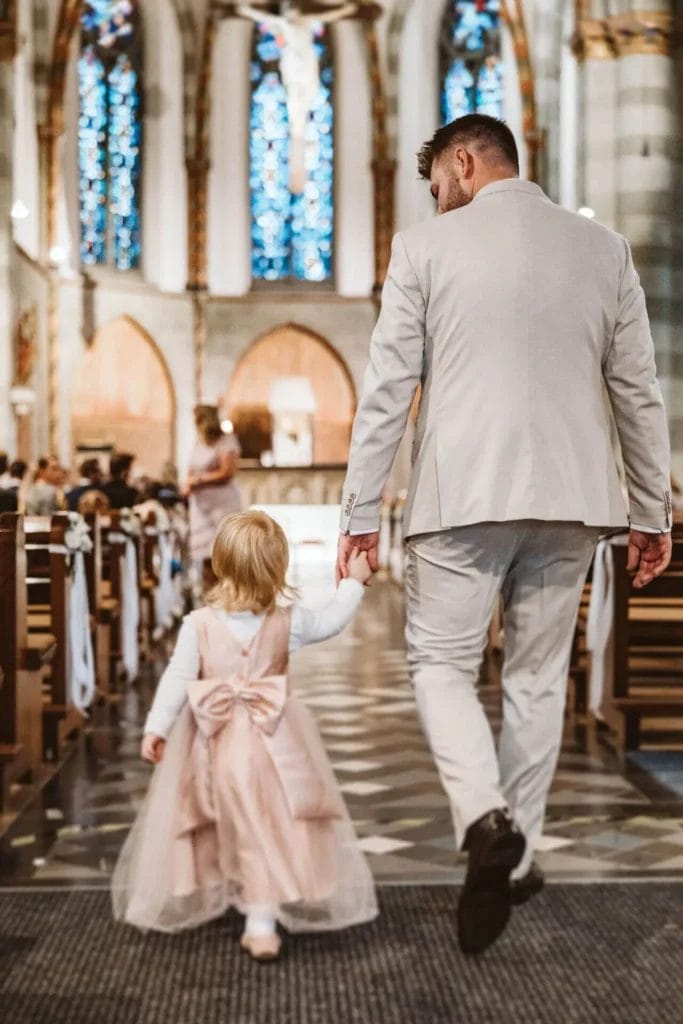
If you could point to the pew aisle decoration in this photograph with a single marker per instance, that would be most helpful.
(128, 533)
(80, 655)
(600, 622)
(397, 554)
(166, 597)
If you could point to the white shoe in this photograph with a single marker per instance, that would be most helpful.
(262, 947)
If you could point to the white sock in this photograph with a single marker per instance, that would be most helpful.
(260, 921)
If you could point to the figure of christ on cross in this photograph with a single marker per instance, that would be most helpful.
(299, 68)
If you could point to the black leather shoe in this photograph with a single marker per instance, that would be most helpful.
(496, 847)
(523, 889)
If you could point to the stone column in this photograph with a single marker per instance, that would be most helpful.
(598, 183)
(544, 19)
(645, 167)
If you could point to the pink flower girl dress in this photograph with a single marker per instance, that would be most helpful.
(243, 810)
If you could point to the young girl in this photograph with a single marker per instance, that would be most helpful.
(243, 808)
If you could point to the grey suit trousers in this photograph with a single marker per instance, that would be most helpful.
(453, 578)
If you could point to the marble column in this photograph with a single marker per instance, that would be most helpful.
(645, 133)
(544, 19)
(631, 136)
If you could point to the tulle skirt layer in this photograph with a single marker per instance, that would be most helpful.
(188, 857)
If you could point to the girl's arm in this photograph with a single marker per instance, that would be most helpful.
(227, 467)
(310, 627)
(183, 668)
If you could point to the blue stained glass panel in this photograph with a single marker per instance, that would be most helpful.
(292, 232)
(92, 134)
(472, 70)
(110, 133)
(489, 99)
(124, 163)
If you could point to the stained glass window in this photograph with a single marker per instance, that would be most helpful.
(471, 63)
(292, 207)
(110, 133)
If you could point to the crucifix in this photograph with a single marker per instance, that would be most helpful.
(293, 24)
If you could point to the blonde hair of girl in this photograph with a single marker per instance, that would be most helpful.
(250, 557)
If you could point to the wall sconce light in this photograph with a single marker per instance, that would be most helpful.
(19, 210)
(58, 254)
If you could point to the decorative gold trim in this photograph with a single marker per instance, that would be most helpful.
(198, 167)
(622, 35)
(513, 14)
(8, 30)
(643, 32)
(383, 164)
(200, 333)
(593, 40)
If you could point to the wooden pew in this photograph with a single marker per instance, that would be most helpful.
(106, 613)
(24, 662)
(148, 581)
(648, 650)
(111, 594)
(48, 586)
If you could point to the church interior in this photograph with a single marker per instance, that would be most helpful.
(199, 199)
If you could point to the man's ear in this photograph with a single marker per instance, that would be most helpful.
(466, 161)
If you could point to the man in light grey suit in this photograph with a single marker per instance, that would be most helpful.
(523, 323)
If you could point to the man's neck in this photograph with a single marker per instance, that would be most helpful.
(503, 175)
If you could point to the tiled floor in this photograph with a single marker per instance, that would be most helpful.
(600, 824)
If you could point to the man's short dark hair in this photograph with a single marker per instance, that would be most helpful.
(120, 464)
(491, 137)
(4, 459)
(18, 469)
(90, 468)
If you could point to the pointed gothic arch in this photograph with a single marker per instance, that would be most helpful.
(110, 405)
(292, 350)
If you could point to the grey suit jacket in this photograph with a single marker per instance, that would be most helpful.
(522, 322)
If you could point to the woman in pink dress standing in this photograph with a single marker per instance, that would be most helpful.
(210, 486)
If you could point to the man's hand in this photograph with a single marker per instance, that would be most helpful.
(648, 556)
(368, 542)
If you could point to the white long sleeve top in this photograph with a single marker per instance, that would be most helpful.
(308, 627)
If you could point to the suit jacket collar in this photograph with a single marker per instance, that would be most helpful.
(511, 185)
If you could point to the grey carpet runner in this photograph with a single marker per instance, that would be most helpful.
(585, 954)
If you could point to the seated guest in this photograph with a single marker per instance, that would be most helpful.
(17, 474)
(91, 479)
(117, 488)
(93, 501)
(8, 501)
(15, 482)
(44, 497)
(149, 500)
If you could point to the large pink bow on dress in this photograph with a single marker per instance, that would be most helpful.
(214, 701)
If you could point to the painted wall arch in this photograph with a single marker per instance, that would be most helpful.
(293, 351)
(123, 396)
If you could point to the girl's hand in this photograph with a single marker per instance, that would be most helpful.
(359, 567)
(152, 748)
